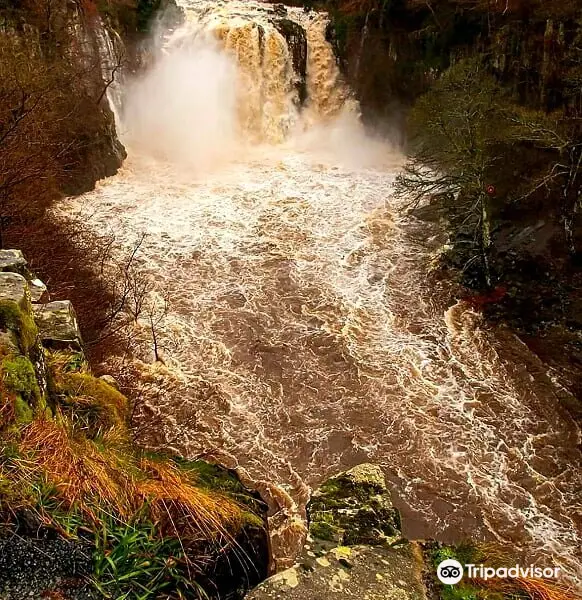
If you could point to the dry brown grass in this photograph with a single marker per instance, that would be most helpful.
(496, 556)
(83, 475)
(523, 587)
(93, 477)
(177, 505)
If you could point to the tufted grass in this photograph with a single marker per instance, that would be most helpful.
(154, 519)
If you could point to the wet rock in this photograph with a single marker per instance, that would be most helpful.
(13, 287)
(280, 10)
(354, 507)
(58, 327)
(355, 549)
(375, 573)
(13, 261)
(296, 39)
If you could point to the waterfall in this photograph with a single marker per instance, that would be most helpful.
(285, 74)
(111, 55)
(302, 335)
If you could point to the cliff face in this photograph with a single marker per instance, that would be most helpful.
(57, 132)
(393, 51)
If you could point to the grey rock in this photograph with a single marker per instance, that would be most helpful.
(13, 261)
(37, 289)
(58, 327)
(13, 287)
(375, 573)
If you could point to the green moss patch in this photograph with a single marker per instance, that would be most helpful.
(354, 508)
(20, 321)
(92, 400)
(19, 376)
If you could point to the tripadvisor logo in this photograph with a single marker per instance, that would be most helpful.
(451, 571)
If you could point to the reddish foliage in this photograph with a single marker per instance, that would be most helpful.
(480, 300)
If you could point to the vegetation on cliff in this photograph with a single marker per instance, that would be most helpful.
(490, 93)
(154, 524)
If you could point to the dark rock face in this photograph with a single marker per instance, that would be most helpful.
(297, 43)
(101, 157)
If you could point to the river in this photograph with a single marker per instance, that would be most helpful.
(295, 326)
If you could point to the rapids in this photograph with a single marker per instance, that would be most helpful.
(297, 333)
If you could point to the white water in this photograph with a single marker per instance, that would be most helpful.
(301, 337)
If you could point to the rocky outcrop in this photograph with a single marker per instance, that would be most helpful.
(359, 572)
(57, 325)
(354, 549)
(354, 508)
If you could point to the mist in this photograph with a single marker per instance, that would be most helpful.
(184, 108)
(201, 105)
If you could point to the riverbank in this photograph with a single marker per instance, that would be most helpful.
(121, 521)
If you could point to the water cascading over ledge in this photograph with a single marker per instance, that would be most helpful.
(273, 72)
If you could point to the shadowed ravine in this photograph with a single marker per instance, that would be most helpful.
(301, 337)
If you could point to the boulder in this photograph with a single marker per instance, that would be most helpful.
(354, 548)
(13, 261)
(13, 288)
(58, 327)
(354, 507)
(358, 572)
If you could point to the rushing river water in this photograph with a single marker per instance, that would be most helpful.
(297, 331)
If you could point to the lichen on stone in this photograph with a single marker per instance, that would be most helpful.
(354, 507)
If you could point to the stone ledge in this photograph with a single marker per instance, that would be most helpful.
(58, 327)
(13, 287)
(13, 261)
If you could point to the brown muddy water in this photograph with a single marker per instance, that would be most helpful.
(297, 330)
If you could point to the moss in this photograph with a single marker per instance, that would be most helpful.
(92, 401)
(459, 592)
(20, 321)
(323, 531)
(19, 376)
(354, 508)
(22, 410)
(464, 553)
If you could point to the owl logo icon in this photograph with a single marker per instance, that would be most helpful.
(450, 571)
